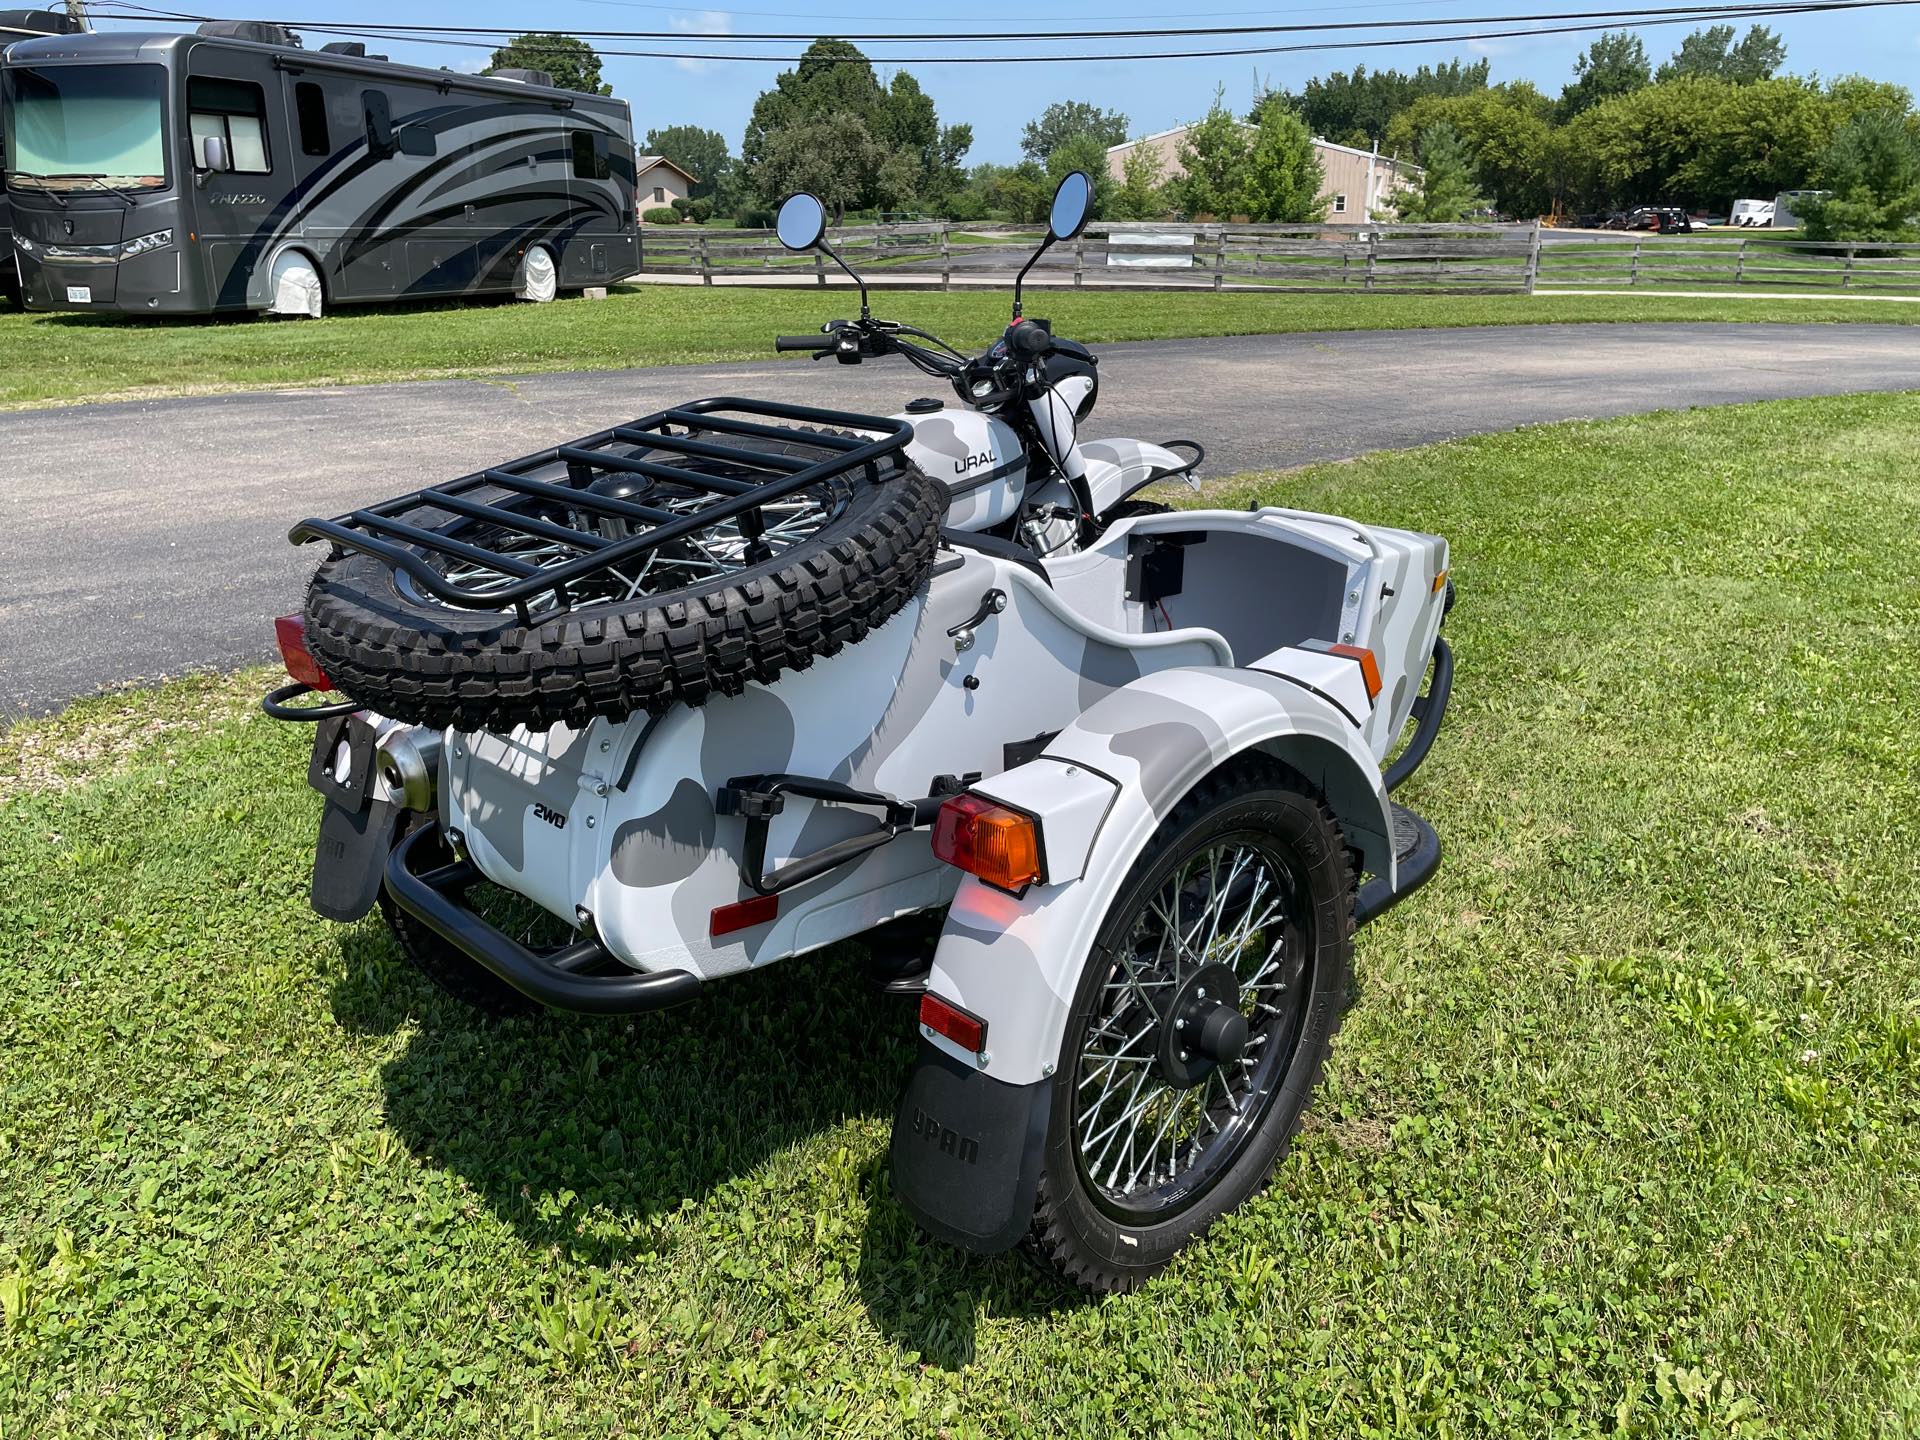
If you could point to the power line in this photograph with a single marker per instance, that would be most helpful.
(375, 31)
(1645, 15)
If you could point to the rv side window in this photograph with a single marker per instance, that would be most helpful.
(311, 104)
(235, 112)
(590, 155)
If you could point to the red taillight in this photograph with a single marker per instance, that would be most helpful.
(291, 632)
(966, 1030)
(999, 845)
(742, 915)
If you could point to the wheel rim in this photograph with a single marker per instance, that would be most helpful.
(722, 549)
(1154, 1125)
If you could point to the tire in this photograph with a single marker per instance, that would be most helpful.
(456, 973)
(1108, 1237)
(536, 278)
(404, 655)
(294, 287)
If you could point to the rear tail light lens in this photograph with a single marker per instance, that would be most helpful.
(291, 632)
(742, 915)
(963, 1027)
(999, 845)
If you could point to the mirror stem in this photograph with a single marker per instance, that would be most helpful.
(825, 249)
(1021, 278)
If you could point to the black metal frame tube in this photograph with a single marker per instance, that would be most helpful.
(553, 980)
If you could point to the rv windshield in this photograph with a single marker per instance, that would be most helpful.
(69, 127)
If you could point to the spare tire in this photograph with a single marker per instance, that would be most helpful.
(851, 551)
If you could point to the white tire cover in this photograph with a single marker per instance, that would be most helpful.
(536, 279)
(293, 286)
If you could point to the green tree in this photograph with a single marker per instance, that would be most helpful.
(1872, 169)
(835, 156)
(1027, 192)
(1712, 54)
(1614, 64)
(572, 62)
(1356, 109)
(834, 79)
(1509, 132)
(1758, 139)
(701, 153)
(1140, 196)
(1214, 153)
(1065, 120)
(1088, 153)
(896, 183)
(1852, 95)
(1283, 176)
(1447, 191)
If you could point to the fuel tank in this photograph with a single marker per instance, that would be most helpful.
(978, 458)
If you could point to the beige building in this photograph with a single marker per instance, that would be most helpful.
(1359, 182)
(658, 181)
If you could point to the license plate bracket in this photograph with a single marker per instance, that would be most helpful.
(356, 827)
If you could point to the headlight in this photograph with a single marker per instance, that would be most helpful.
(158, 240)
(24, 243)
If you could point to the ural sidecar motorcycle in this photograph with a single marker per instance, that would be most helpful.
(739, 680)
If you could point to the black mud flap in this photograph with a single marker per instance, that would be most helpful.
(967, 1151)
(350, 858)
(356, 829)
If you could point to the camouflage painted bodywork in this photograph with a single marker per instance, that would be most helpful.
(618, 820)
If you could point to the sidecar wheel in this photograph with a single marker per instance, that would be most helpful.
(1199, 1029)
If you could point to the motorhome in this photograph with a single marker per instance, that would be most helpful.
(234, 170)
(21, 25)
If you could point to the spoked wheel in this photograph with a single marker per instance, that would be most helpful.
(717, 552)
(734, 601)
(1199, 1028)
(458, 974)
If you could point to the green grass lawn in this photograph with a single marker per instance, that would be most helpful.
(1621, 1134)
(64, 357)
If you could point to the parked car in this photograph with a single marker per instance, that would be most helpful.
(1662, 219)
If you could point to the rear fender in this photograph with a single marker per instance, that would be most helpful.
(1015, 960)
(1099, 792)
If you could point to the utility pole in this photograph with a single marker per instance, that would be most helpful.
(77, 12)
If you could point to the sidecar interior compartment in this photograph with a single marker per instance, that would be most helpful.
(1200, 569)
(559, 495)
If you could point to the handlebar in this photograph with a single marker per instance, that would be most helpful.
(804, 342)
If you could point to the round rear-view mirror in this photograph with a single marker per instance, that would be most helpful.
(802, 221)
(1072, 204)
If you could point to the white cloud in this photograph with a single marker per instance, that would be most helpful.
(710, 21)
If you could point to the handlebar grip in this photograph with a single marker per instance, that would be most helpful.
(804, 342)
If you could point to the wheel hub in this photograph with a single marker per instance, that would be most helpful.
(1202, 1027)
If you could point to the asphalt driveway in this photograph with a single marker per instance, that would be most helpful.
(142, 540)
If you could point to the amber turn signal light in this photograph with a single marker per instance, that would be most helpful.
(1369, 667)
(999, 845)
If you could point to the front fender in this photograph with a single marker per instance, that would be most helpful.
(1015, 960)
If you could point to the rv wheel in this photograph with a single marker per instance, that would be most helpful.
(293, 286)
(537, 278)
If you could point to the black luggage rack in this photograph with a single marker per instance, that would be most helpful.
(385, 532)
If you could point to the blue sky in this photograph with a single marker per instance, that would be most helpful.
(1884, 44)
